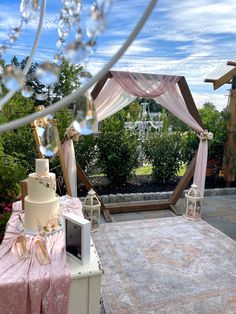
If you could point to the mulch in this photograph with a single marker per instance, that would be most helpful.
(141, 184)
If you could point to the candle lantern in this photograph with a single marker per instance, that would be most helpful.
(193, 200)
(91, 209)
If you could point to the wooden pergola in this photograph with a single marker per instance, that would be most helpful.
(227, 75)
(107, 209)
(154, 204)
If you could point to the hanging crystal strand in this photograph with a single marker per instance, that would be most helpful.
(27, 91)
(48, 140)
(97, 21)
(13, 78)
(84, 116)
(47, 73)
(3, 49)
(29, 9)
(41, 97)
(15, 34)
(77, 53)
(58, 58)
(63, 28)
(70, 15)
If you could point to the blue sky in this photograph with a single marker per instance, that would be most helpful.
(190, 38)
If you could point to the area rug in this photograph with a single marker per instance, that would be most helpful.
(168, 265)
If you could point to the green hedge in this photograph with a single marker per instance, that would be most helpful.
(117, 150)
(163, 151)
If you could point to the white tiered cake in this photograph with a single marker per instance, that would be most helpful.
(41, 203)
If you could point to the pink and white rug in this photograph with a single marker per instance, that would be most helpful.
(168, 265)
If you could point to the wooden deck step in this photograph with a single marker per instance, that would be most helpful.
(137, 206)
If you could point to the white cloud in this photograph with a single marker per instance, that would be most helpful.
(110, 49)
(219, 100)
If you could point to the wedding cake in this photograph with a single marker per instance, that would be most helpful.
(41, 203)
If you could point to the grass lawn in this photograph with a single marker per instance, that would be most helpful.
(147, 170)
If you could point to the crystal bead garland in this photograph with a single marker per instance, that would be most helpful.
(13, 78)
(48, 141)
(27, 91)
(80, 49)
(96, 22)
(29, 9)
(47, 73)
(41, 97)
(84, 116)
(15, 34)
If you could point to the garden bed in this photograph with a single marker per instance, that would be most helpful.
(142, 184)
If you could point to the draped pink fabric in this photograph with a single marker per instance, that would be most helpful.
(26, 287)
(179, 109)
(111, 99)
(144, 85)
(124, 87)
(70, 163)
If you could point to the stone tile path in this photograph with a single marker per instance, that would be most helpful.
(219, 211)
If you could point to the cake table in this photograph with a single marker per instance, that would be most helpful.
(26, 287)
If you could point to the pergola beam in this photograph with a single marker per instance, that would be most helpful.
(188, 98)
(209, 80)
(99, 86)
(224, 79)
(232, 63)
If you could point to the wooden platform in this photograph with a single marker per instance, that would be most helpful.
(137, 206)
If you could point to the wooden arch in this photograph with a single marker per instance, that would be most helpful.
(157, 204)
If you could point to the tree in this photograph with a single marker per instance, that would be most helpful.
(215, 122)
(86, 151)
(68, 80)
(19, 143)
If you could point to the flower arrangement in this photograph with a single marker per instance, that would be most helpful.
(47, 181)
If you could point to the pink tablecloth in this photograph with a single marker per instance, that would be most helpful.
(26, 286)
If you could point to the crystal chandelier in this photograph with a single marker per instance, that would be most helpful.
(76, 51)
(144, 123)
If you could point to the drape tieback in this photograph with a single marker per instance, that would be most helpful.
(72, 134)
(205, 135)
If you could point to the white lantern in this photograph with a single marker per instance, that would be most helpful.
(91, 209)
(193, 200)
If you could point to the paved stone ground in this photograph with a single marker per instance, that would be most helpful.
(219, 211)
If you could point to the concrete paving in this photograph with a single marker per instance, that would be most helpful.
(219, 211)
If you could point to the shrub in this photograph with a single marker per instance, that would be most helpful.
(5, 214)
(85, 151)
(117, 150)
(11, 173)
(163, 150)
(189, 146)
